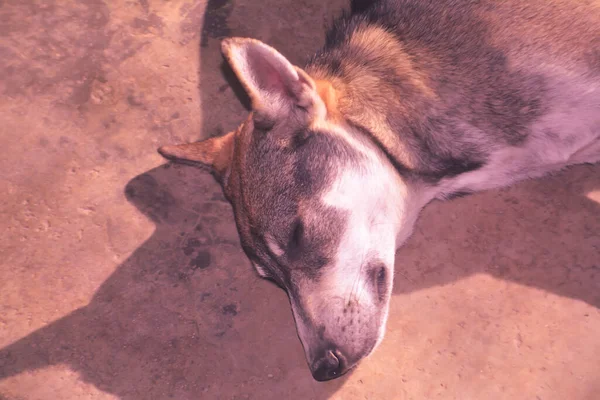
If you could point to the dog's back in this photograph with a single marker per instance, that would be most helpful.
(444, 85)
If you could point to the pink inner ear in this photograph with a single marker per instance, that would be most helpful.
(270, 73)
(269, 78)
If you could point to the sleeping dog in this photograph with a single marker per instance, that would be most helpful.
(408, 101)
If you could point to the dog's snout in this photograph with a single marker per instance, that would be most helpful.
(330, 366)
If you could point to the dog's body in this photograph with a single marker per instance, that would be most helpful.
(408, 101)
(491, 91)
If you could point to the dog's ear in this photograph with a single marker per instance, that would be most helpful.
(215, 153)
(273, 84)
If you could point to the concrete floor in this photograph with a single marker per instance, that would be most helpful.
(122, 277)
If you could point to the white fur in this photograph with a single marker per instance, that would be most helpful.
(371, 193)
(260, 269)
(274, 247)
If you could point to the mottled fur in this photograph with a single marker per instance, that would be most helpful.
(409, 100)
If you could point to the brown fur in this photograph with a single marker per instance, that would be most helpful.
(362, 96)
(215, 152)
(329, 96)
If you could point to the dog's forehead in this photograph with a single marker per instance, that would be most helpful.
(286, 172)
(291, 165)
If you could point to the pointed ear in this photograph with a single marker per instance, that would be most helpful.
(273, 84)
(215, 153)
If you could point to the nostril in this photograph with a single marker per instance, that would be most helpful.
(328, 367)
(334, 362)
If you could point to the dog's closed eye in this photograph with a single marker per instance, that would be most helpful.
(379, 279)
(297, 234)
(297, 239)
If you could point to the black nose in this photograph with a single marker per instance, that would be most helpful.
(330, 366)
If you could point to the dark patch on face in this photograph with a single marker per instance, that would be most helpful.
(312, 246)
(215, 20)
(230, 309)
(201, 261)
(282, 174)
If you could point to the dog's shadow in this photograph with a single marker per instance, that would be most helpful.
(184, 317)
(541, 233)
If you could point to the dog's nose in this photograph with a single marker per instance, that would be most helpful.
(330, 366)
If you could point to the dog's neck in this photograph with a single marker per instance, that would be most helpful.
(412, 194)
(359, 93)
(379, 96)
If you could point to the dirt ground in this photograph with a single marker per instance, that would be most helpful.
(122, 277)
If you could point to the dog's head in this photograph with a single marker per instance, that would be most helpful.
(317, 205)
